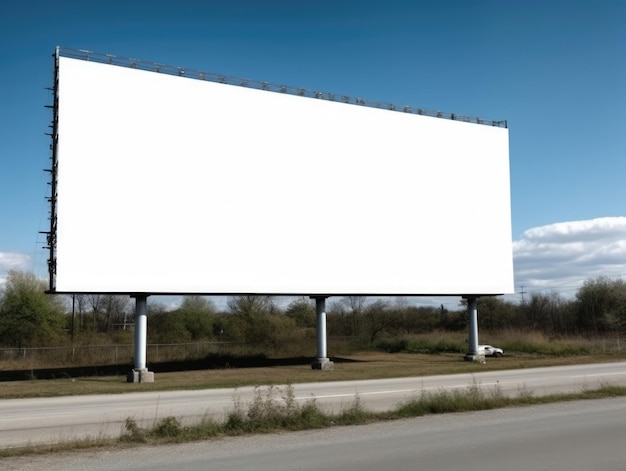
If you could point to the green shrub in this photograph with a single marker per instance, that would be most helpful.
(443, 401)
(274, 409)
(391, 345)
(354, 415)
(168, 427)
(132, 432)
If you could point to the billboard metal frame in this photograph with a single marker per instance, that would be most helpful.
(52, 199)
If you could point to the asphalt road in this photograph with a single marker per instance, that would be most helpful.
(44, 420)
(573, 436)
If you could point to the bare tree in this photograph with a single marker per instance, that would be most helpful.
(108, 310)
(355, 305)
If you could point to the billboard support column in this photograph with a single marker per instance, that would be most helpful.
(472, 311)
(322, 362)
(140, 373)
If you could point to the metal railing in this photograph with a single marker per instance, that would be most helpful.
(261, 85)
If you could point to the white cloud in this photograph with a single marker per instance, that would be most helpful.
(9, 261)
(560, 257)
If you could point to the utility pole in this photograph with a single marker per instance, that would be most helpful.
(522, 292)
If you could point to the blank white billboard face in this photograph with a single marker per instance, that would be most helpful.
(175, 185)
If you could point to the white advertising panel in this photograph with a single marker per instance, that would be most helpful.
(168, 184)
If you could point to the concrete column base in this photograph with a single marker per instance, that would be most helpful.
(140, 376)
(477, 357)
(322, 364)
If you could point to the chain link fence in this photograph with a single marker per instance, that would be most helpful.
(118, 354)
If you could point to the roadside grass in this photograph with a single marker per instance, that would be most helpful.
(275, 410)
(515, 341)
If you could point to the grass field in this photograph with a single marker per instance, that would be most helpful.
(357, 366)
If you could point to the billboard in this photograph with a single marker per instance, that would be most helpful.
(173, 185)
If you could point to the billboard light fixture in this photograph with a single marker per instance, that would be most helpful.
(261, 85)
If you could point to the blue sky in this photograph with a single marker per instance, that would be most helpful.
(554, 69)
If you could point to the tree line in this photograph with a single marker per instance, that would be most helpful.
(31, 318)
